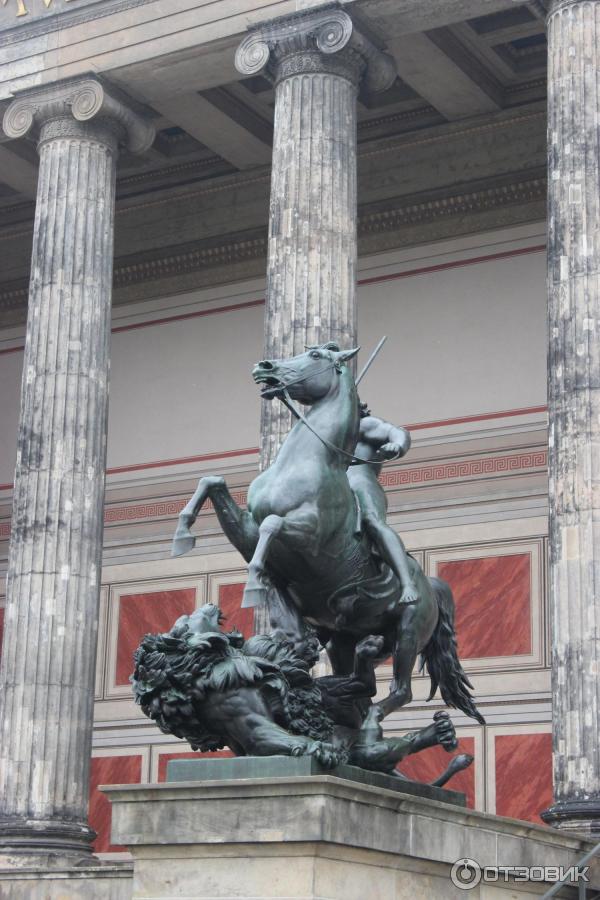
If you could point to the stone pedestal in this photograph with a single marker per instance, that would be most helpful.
(318, 837)
(51, 619)
(574, 409)
(317, 60)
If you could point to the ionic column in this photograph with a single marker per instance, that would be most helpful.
(51, 619)
(317, 60)
(574, 409)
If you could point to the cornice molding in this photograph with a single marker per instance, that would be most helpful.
(189, 258)
(394, 144)
(68, 18)
(417, 211)
(403, 212)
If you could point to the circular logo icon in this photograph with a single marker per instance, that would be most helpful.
(465, 874)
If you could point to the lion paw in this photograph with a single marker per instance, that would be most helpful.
(326, 754)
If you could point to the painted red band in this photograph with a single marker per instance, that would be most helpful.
(249, 451)
(455, 264)
(157, 464)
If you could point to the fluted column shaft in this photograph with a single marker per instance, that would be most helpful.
(51, 620)
(317, 61)
(574, 409)
(311, 266)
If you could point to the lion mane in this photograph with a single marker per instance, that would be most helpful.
(174, 672)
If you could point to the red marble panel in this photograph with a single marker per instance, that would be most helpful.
(140, 614)
(109, 770)
(429, 765)
(230, 599)
(164, 758)
(523, 775)
(493, 600)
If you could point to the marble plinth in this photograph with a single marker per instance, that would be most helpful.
(317, 837)
(298, 767)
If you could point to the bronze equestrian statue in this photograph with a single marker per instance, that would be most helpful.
(314, 536)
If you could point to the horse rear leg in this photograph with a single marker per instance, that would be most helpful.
(404, 659)
(238, 525)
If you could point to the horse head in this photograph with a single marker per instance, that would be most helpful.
(308, 377)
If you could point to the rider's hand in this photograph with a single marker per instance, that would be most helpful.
(390, 451)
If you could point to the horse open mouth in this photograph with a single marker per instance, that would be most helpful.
(269, 384)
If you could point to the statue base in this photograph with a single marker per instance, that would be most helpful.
(317, 835)
(299, 767)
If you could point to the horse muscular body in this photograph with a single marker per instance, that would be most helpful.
(309, 560)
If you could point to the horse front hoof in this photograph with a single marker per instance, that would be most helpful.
(254, 596)
(183, 542)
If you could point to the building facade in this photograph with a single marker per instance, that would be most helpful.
(450, 153)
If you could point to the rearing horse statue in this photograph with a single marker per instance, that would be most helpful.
(309, 559)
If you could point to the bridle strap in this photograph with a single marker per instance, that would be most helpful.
(355, 460)
(331, 365)
(287, 401)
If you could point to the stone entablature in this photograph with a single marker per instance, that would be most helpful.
(13, 10)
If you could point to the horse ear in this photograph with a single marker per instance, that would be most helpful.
(345, 355)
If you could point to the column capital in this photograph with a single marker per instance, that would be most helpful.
(83, 99)
(558, 5)
(309, 41)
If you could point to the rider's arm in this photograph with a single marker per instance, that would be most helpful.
(400, 436)
(380, 433)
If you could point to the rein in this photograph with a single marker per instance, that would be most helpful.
(289, 403)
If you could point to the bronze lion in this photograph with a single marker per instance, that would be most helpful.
(258, 697)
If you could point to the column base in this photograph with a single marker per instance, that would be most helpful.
(28, 841)
(576, 816)
(92, 881)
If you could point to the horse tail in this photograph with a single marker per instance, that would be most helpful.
(441, 657)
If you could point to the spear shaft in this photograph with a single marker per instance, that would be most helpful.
(367, 365)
